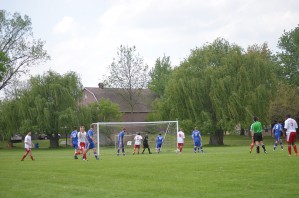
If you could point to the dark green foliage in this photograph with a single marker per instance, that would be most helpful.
(220, 86)
(289, 56)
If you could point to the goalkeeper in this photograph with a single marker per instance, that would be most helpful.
(145, 145)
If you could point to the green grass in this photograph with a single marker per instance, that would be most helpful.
(226, 171)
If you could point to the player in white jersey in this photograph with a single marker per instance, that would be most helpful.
(28, 146)
(82, 139)
(137, 144)
(180, 139)
(290, 126)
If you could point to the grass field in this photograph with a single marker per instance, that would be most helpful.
(226, 171)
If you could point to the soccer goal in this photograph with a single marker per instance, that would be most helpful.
(168, 129)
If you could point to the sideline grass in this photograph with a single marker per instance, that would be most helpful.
(228, 171)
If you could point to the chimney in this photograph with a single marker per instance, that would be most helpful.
(101, 85)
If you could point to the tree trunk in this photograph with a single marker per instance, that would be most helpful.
(54, 143)
(242, 131)
(216, 138)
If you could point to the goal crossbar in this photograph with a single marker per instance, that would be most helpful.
(128, 123)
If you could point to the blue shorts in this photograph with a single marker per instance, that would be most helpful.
(91, 145)
(277, 136)
(197, 143)
(75, 145)
(159, 145)
(120, 146)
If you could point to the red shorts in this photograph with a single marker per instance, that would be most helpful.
(82, 145)
(136, 146)
(291, 137)
(180, 144)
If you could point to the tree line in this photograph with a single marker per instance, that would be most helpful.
(217, 87)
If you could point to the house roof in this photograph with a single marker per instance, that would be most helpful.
(143, 103)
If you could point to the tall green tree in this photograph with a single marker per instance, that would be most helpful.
(129, 75)
(50, 104)
(159, 75)
(19, 47)
(220, 86)
(289, 56)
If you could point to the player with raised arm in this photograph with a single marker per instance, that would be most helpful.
(28, 146)
(276, 133)
(197, 140)
(74, 142)
(91, 142)
(137, 143)
(290, 126)
(180, 139)
(120, 142)
(159, 142)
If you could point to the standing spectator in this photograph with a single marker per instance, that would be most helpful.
(82, 141)
(137, 143)
(145, 144)
(290, 126)
(180, 139)
(159, 142)
(28, 146)
(276, 133)
(257, 134)
(91, 142)
(120, 142)
(74, 142)
(197, 140)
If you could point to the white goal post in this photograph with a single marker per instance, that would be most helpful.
(125, 124)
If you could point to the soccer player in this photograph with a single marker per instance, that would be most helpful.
(120, 142)
(180, 139)
(159, 142)
(276, 133)
(91, 142)
(74, 141)
(290, 126)
(145, 145)
(28, 146)
(137, 143)
(82, 141)
(197, 140)
(257, 134)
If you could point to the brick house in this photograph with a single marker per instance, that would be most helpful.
(140, 111)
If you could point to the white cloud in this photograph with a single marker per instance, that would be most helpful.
(66, 26)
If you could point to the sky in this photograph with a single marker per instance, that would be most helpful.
(84, 35)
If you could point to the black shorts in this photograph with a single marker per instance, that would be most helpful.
(258, 137)
(145, 145)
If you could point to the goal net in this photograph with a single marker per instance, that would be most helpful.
(168, 129)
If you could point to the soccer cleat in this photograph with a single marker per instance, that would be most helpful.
(265, 152)
(296, 154)
(75, 157)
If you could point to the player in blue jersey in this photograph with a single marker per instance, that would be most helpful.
(74, 141)
(277, 130)
(159, 142)
(197, 140)
(120, 142)
(91, 142)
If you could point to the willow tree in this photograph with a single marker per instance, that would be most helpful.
(219, 86)
(50, 103)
